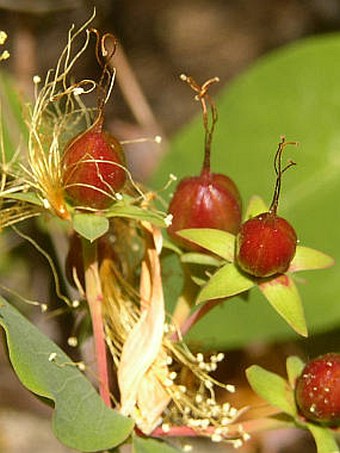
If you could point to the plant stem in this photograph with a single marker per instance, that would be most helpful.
(191, 320)
(250, 427)
(185, 300)
(94, 298)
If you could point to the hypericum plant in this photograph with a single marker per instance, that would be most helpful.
(209, 200)
(93, 163)
(229, 280)
(73, 171)
(300, 397)
(266, 243)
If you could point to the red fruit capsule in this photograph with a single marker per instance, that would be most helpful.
(207, 201)
(93, 168)
(210, 200)
(317, 390)
(265, 245)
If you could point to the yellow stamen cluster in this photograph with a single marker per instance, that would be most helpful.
(33, 184)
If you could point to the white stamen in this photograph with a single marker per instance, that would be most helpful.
(52, 356)
(78, 90)
(72, 341)
(3, 37)
(168, 220)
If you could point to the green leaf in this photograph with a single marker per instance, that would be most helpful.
(292, 91)
(144, 445)
(90, 226)
(255, 207)
(294, 366)
(307, 259)
(284, 297)
(136, 213)
(216, 241)
(324, 439)
(272, 388)
(226, 282)
(81, 420)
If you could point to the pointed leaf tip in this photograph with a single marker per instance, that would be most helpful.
(294, 366)
(309, 259)
(255, 207)
(90, 226)
(219, 242)
(226, 282)
(272, 388)
(284, 297)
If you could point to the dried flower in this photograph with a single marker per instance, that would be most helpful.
(150, 364)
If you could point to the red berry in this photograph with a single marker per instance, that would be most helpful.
(207, 201)
(93, 166)
(265, 245)
(210, 200)
(317, 390)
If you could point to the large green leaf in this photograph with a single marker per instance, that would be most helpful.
(294, 91)
(81, 419)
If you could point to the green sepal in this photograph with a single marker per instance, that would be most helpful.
(324, 438)
(219, 242)
(226, 282)
(307, 258)
(255, 207)
(272, 388)
(294, 367)
(284, 297)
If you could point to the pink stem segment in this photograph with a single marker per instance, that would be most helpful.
(94, 298)
(191, 320)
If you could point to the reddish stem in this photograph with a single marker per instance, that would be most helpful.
(234, 430)
(95, 298)
(189, 322)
